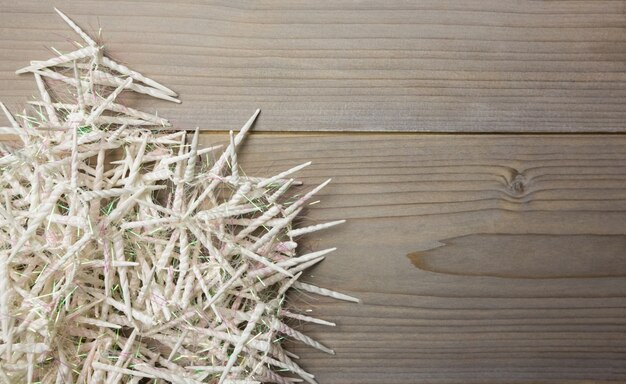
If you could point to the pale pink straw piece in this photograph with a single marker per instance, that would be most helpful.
(96, 322)
(114, 107)
(126, 205)
(298, 203)
(45, 72)
(178, 344)
(117, 133)
(72, 250)
(243, 339)
(118, 251)
(136, 76)
(190, 313)
(109, 120)
(38, 218)
(325, 292)
(46, 100)
(224, 287)
(165, 375)
(271, 280)
(245, 252)
(187, 156)
(65, 65)
(105, 104)
(26, 348)
(280, 191)
(293, 261)
(190, 169)
(5, 299)
(234, 167)
(305, 318)
(80, 98)
(75, 55)
(110, 80)
(279, 226)
(292, 367)
(256, 223)
(136, 314)
(149, 223)
(164, 258)
(219, 164)
(16, 126)
(282, 175)
(103, 194)
(121, 371)
(313, 228)
(76, 28)
(211, 368)
(241, 196)
(74, 162)
(283, 328)
(183, 261)
(123, 358)
(82, 376)
(97, 183)
(7, 131)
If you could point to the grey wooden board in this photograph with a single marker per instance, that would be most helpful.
(428, 65)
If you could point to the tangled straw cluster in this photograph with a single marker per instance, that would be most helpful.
(132, 255)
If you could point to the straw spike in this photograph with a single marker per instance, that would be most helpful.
(76, 28)
(66, 58)
(314, 228)
(136, 76)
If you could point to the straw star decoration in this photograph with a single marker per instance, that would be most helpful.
(128, 253)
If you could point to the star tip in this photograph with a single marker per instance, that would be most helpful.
(59, 12)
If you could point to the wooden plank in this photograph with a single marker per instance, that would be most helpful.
(426, 65)
(478, 258)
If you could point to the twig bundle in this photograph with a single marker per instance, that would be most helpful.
(133, 255)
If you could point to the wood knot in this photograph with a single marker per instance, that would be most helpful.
(517, 184)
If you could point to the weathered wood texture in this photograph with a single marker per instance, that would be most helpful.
(494, 258)
(427, 65)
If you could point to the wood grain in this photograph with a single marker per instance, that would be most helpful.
(523, 237)
(427, 65)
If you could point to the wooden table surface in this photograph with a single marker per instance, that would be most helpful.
(479, 258)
